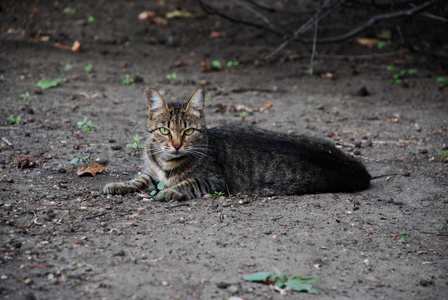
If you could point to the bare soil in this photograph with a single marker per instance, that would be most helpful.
(61, 238)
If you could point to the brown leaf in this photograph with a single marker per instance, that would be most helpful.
(92, 169)
(76, 46)
(268, 105)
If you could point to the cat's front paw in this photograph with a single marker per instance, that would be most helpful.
(118, 188)
(171, 194)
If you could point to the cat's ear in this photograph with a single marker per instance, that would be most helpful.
(195, 105)
(154, 102)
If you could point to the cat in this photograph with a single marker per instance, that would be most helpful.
(192, 161)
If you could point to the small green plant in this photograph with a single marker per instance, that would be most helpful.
(84, 159)
(67, 67)
(43, 84)
(208, 97)
(444, 228)
(320, 106)
(397, 78)
(296, 283)
(2, 77)
(403, 235)
(89, 68)
(15, 119)
(171, 76)
(232, 63)
(160, 187)
(25, 96)
(91, 19)
(442, 81)
(243, 116)
(86, 125)
(444, 154)
(216, 64)
(135, 143)
(69, 11)
(216, 195)
(335, 111)
(128, 79)
(383, 44)
(310, 99)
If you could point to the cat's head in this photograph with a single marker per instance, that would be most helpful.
(176, 128)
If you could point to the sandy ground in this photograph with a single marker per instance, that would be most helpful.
(61, 238)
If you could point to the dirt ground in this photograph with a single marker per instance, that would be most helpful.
(61, 238)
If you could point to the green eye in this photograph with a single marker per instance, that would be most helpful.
(189, 131)
(164, 131)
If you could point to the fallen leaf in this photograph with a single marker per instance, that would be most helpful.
(367, 42)
(204, 65)
(268, 105)
(159, 21)
(181, 14)
(146, 15)
(92, 169)
(35, 10)
(76, 46)
(215, 34)
(25, 162)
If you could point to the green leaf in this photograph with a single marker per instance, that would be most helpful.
(299, 286)
(303, 279)
(43, 84)
(153, 193)
(74, 161)
(391, 68)
(89, 68)
(91, 19)
(260, 276)
(216, 64)
(280, 277)
(160, 186)
(412, 71)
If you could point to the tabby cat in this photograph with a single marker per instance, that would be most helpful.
(192, 160)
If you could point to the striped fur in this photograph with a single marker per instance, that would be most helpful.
(192, 161)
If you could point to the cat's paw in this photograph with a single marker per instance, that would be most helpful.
(118, 188)
(172, 194)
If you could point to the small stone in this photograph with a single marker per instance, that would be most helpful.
(358, 144)
(28, 281)
(62, 170)
(407, 174)
(357, 152)
(164, 283)
(4, 277)
(223, 285)
(116, 147)
(233, 289)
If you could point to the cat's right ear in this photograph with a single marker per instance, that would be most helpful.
(154, 102)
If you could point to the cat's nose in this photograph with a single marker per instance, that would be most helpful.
(176, 146)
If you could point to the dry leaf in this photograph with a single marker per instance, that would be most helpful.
(204, 65)
(92, 169)
(268, 105)
(367, 42)
(215, 34)
(146, 15)
(76, 46)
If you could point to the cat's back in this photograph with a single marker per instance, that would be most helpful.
(252, 159)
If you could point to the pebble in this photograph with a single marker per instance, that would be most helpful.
(116, 147)
(233, 289)
(62, 170)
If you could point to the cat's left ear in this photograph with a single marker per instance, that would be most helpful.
(196, 103)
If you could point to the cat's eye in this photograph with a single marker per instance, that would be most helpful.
(189, 131)
(164, 131)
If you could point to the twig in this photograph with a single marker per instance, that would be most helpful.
(177, 205)
(94, 216)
